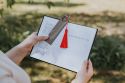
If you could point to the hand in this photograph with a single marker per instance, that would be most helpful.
(31, 40)
(85, 74)
(17, 53)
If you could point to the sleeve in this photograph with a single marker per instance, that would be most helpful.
(5, 77)
(10, 72)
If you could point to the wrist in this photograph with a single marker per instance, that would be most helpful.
(22, 49)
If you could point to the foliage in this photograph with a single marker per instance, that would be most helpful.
(108, 53)
(10, 3)
(1, 12)
(14, 29)
(48, 2)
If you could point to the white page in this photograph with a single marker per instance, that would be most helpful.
(80, 40)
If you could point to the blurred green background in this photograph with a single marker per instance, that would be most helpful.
(19, 18)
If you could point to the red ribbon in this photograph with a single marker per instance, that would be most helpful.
(64, 43)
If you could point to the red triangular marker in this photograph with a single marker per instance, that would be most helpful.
(64, 43)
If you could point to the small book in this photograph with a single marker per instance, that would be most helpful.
(68, 46)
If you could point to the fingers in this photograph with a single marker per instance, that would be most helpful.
(42, 38)
(83, 69)
(39, 38)
(84, 65)
(86, 72)
(87, 67)
(90, 68)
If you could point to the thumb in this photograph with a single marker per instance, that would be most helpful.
(84, 65)
(42, 38)
(90, 68)
(83, 69)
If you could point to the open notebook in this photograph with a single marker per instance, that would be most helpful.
(80, 40)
